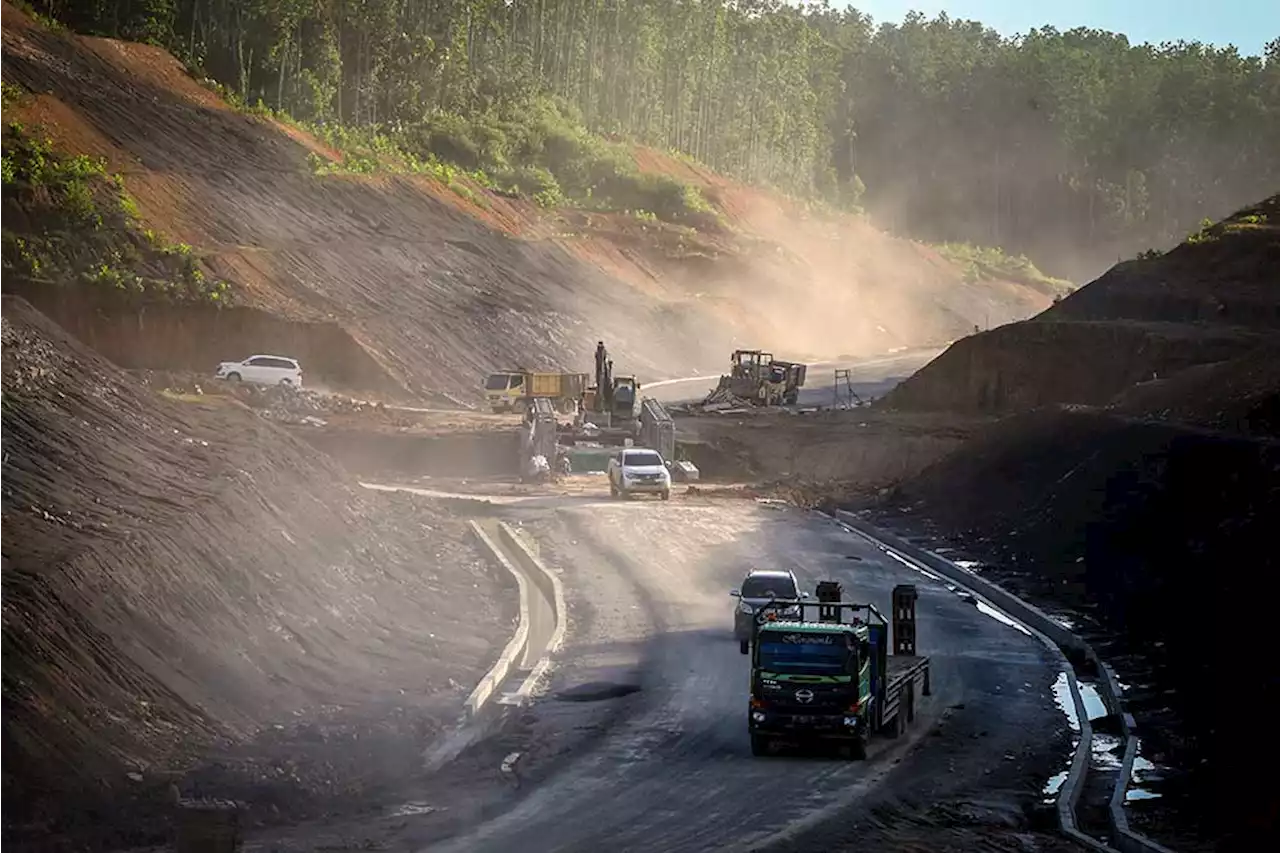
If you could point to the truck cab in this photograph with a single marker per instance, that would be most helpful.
(503, 390)
(809, 679)
(821, 671)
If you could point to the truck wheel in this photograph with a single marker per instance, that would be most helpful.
(744, 646)
(519, 407)
(858, 748)
(759, 745)
(666, 495)
(233, 377)
(613, 490)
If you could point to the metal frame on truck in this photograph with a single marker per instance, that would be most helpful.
(840, 684)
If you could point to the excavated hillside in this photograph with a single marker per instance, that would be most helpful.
(1149, 515)
(439, 285)
(1210, 299)
(196, 603)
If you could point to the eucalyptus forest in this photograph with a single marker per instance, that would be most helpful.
(1076, 148)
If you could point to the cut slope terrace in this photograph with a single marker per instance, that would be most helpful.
(431, 287)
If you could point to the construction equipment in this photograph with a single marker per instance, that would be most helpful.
(821, 670)
(657, 429)
(538, 448)
(843, 395)
(611, 402)
(756, 378)
(515, 390)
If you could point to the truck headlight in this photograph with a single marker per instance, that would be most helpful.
(745, 608)
(851, 722)
(758, 716)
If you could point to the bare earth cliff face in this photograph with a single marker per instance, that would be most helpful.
(439, 288)
(1134, 481)
(180, 578)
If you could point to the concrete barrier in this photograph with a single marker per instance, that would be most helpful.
(1059, 637)
(515, 647)
(552, 589)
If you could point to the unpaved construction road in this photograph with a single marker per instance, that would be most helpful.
(869, 377)
(640, 742)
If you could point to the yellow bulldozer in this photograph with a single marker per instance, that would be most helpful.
(756, 378)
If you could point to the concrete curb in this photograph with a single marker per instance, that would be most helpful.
(519, 641)
(553, 590)
(1059, 638)
(1072, 787)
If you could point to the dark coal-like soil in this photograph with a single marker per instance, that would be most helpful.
(1156, 541)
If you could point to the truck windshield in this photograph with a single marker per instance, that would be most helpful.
(643, 459)
(824, 653)
(496, 382)
(768, 586)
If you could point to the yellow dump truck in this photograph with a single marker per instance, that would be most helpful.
(515, 390)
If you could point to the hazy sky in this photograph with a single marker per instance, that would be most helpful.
(1248, 24)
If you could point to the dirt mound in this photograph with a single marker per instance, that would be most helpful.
(1153, 534)
(1241, 395)
(1223, 275)
(1042, 362)
(865, 450)
(1211, 299)
(422, 275)
(193, 598)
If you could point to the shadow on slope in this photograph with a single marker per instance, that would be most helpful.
(1210, 299)
(1157, 536)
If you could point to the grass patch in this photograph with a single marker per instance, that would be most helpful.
(1204, 234)
(982, 263)
(69, 223)
(1251, 222)
(542, 150)
(538, 150)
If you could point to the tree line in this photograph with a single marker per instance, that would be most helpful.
(1074, 147)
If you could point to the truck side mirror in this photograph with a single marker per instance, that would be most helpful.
(735, 593)
(804, 595)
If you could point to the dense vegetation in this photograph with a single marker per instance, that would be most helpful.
(1046, 144)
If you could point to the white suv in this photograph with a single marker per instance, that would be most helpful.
(263, 370)
(637, 471)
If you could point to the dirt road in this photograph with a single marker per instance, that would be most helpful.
(870, 377)
(640, 742)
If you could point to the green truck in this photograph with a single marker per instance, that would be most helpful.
(821, 671)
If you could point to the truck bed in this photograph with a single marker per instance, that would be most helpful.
(906, 683)
(903, 666)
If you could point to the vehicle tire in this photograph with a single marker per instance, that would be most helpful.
(858, 748)
(744, 646)
(519, 407)
(567, 406)
(666, 495)
(760, 745)
(233, 377)
(613, 491)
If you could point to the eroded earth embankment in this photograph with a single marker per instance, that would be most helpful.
(195, 602)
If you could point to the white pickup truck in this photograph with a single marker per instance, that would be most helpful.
(638, 471)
